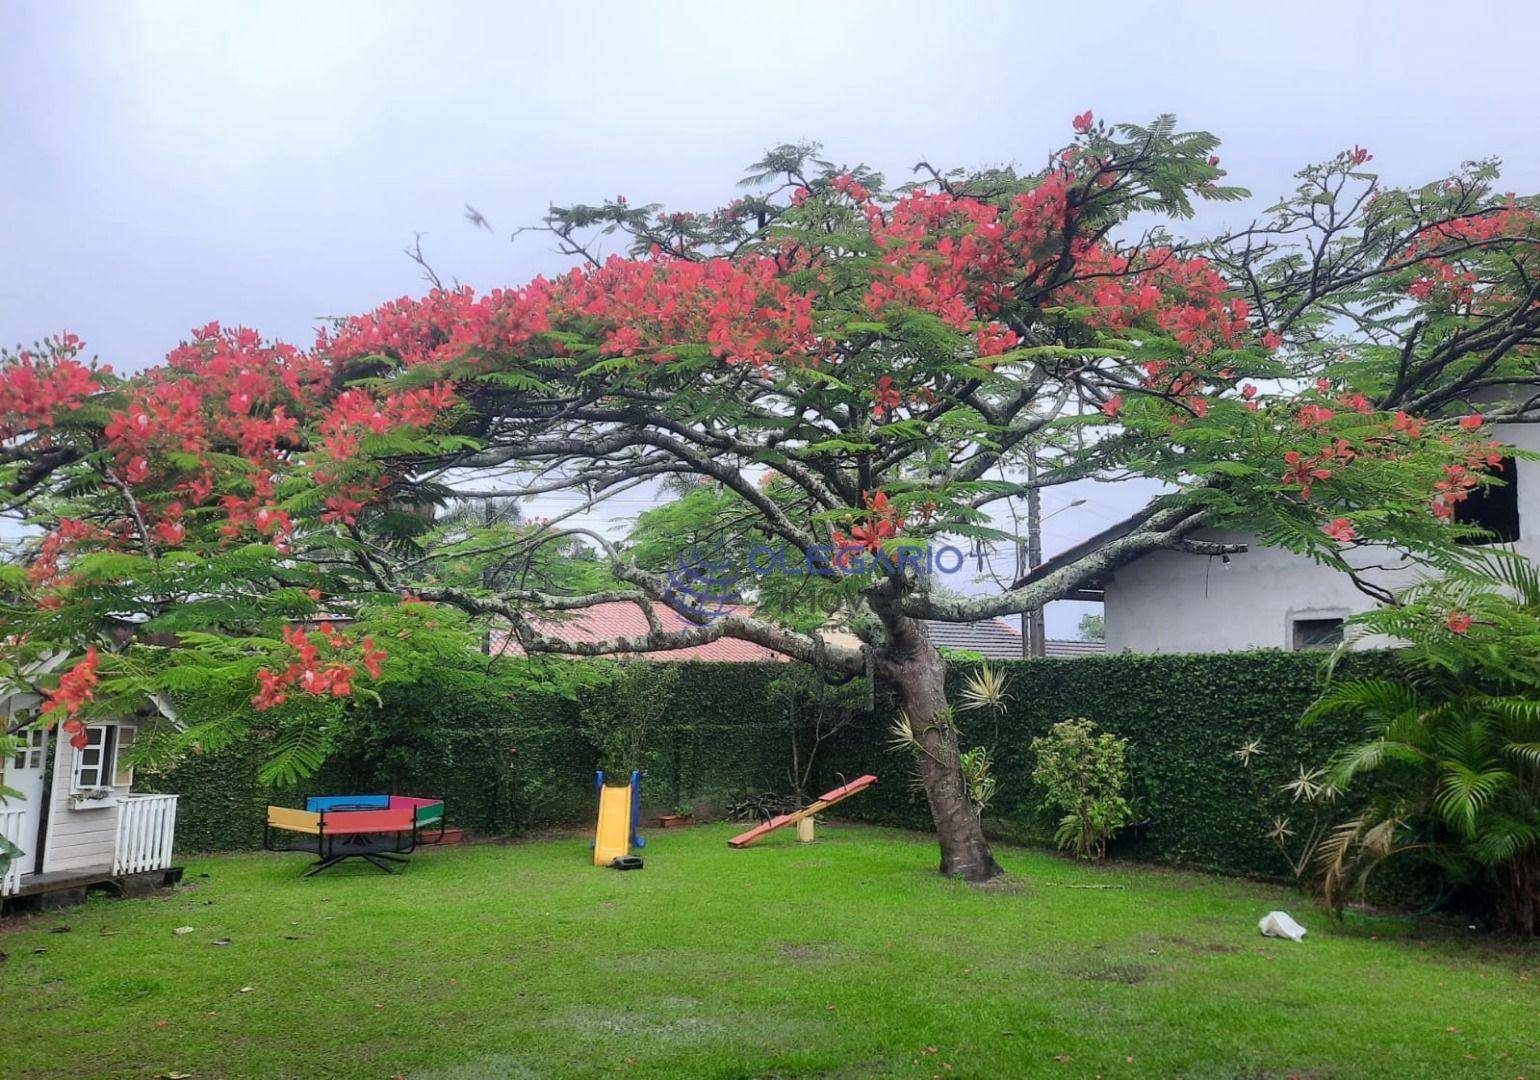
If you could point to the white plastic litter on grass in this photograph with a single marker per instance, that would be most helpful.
(1279, 924)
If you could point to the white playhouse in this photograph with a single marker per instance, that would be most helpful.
(78, 821)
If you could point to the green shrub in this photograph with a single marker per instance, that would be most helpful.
(1455, 743)
(1084, 775)
(617, 715)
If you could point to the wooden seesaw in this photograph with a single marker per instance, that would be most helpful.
(823, 802)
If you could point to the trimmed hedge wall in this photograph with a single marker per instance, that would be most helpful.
(1184, 717)
(728, 734)
(504, 762)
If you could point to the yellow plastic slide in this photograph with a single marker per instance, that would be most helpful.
(613, 838)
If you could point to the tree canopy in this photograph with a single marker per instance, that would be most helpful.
(855, 367)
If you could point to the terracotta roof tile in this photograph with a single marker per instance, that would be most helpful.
(995, 639)
(618, 619)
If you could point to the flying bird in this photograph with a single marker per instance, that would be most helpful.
(475, 217)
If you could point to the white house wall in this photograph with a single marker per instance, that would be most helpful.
(1170, 602)
(77, 839)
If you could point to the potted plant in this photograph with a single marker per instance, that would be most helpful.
(683, 815)
(90, 798)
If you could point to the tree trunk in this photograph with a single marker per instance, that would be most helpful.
(914, 665)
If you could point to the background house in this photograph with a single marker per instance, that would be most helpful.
(1268, 598)
(993, 639)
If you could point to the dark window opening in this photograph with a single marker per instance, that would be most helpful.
(1493, 508)
(1317, 633)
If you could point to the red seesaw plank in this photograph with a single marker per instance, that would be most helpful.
(823, 802)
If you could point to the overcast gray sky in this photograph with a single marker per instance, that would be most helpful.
(170, 164)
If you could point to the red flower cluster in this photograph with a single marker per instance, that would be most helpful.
(254, 513)
(1186, 298)
(1505, 221)
(1313, 415)
(33, 389)
(883, 521)
(1307, 469)
(1447, 280)
(76, 687)
(740, 309)
(47, 569)
(884, 398)
(344, 504)
(960, 258)
(225, 391)
(170, 530)
(1341, 530)
(356, 413)
(1454, 488)
(228, 392)
(318, 667)
(1304, 469)
(445, 325)
(1462, 478)
(1442, 281)
(846, 184)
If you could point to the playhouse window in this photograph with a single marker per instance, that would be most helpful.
(96, 763)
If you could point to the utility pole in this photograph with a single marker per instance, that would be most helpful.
(1033, 639)
(1029, 556)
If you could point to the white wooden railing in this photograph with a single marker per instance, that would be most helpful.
(146, 826)
(10, 828)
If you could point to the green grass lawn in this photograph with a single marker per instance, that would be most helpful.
(849, 958)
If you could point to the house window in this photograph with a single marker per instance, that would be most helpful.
(1317, 633)
(1493, 508)
(96, 763)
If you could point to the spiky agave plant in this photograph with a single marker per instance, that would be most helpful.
(984, 688)
(1455, 743)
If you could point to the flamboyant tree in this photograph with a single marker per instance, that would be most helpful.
(855, 370)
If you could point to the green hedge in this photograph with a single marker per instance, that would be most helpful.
(1184, 717)
(729, 732)
(504, 756)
